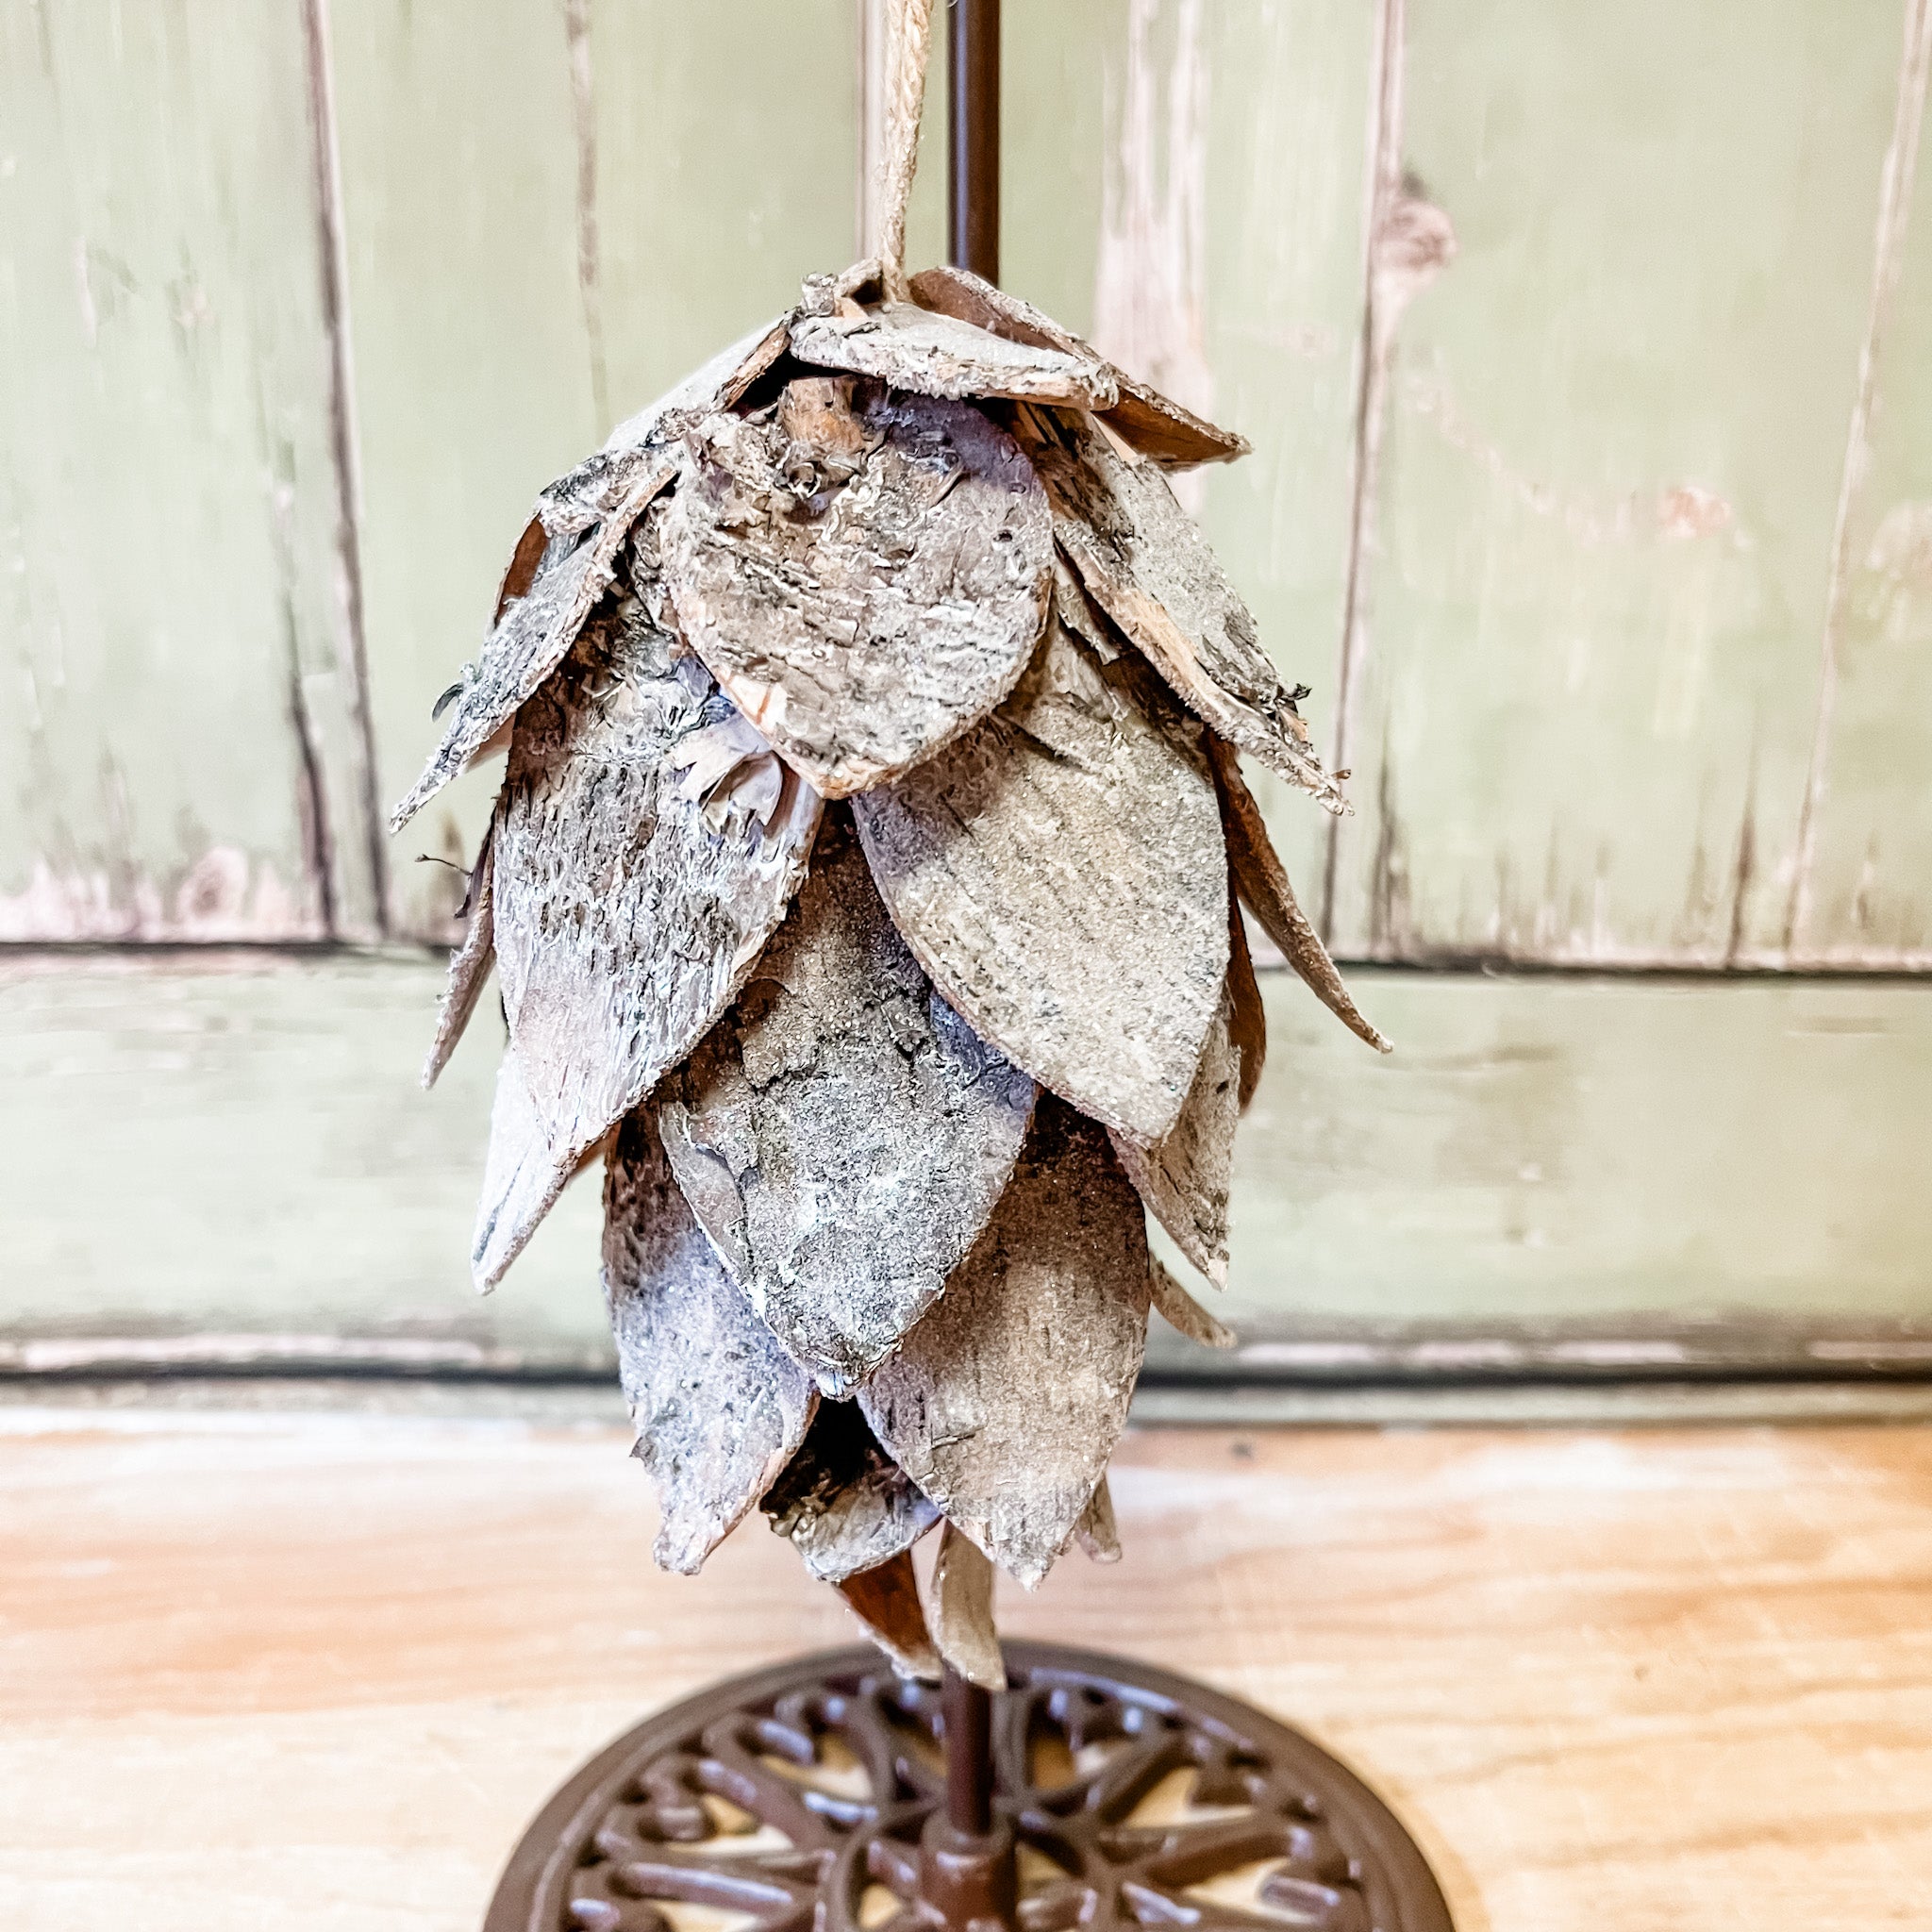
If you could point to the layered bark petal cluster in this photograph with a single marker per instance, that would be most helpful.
(864, 887)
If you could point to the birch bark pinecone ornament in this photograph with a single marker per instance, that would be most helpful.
(862, 887)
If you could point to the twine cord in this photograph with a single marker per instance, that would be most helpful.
(907, 40)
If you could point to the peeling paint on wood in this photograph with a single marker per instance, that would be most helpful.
(166, 316)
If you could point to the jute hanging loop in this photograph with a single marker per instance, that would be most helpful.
(908, 39)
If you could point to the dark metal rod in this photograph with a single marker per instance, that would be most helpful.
(973, 228)
(968, 1713)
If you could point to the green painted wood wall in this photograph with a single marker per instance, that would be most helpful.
(1587, 352)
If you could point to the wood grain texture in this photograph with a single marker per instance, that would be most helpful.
(842, 1134)
(941, 356)
(183, 744)
(1058, 871)
(865, 573)
(1147, 565)
(1604, 1163)
(842, 1503)
(718, 1406)
(625, 922)
(1647, 1680)
(1151, 423)
(1006, 1401)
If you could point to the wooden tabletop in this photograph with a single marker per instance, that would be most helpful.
(315, 1671)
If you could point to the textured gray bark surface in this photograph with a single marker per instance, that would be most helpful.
(1060, 873)
(533, 634)
(1150, 569)
(865, 573)
(935, 354)
(1262, 882)
(842, 1502)
(886, 1601)
(1247, 1018)
(469, 965)
(718, 1406)
(1184, 1178)
(1154, 425)
(625, 922)
(959, 1611)
(1006, 1402)
(842, 1134)
(1096, 1532)
(1181, 1311)
(520, 1179)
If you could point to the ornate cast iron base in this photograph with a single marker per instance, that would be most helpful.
(811, 1798)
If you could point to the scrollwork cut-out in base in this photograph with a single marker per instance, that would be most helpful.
(794, 1800)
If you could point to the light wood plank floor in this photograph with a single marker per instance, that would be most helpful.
(313, 1672)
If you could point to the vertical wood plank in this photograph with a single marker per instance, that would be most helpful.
(554, 211)
(1609, 467)
(181, 743)
(1865, 893)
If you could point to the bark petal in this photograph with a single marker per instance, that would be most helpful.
(533, 635)
(1261, 881)
(1150, 569)
(937, 354)
(469, 964)
(625, 924)
(1005, 1403)
(1096, 1532)
(1059, 873)
(865, 573)
(567, 556)
(842, 1502)
(1181, 1311)
(959, 1612)
(1185, 1178)
(1175, 437)
(718, 1406)
(843, 1135)
(886, 1601)
(1247, 1018)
